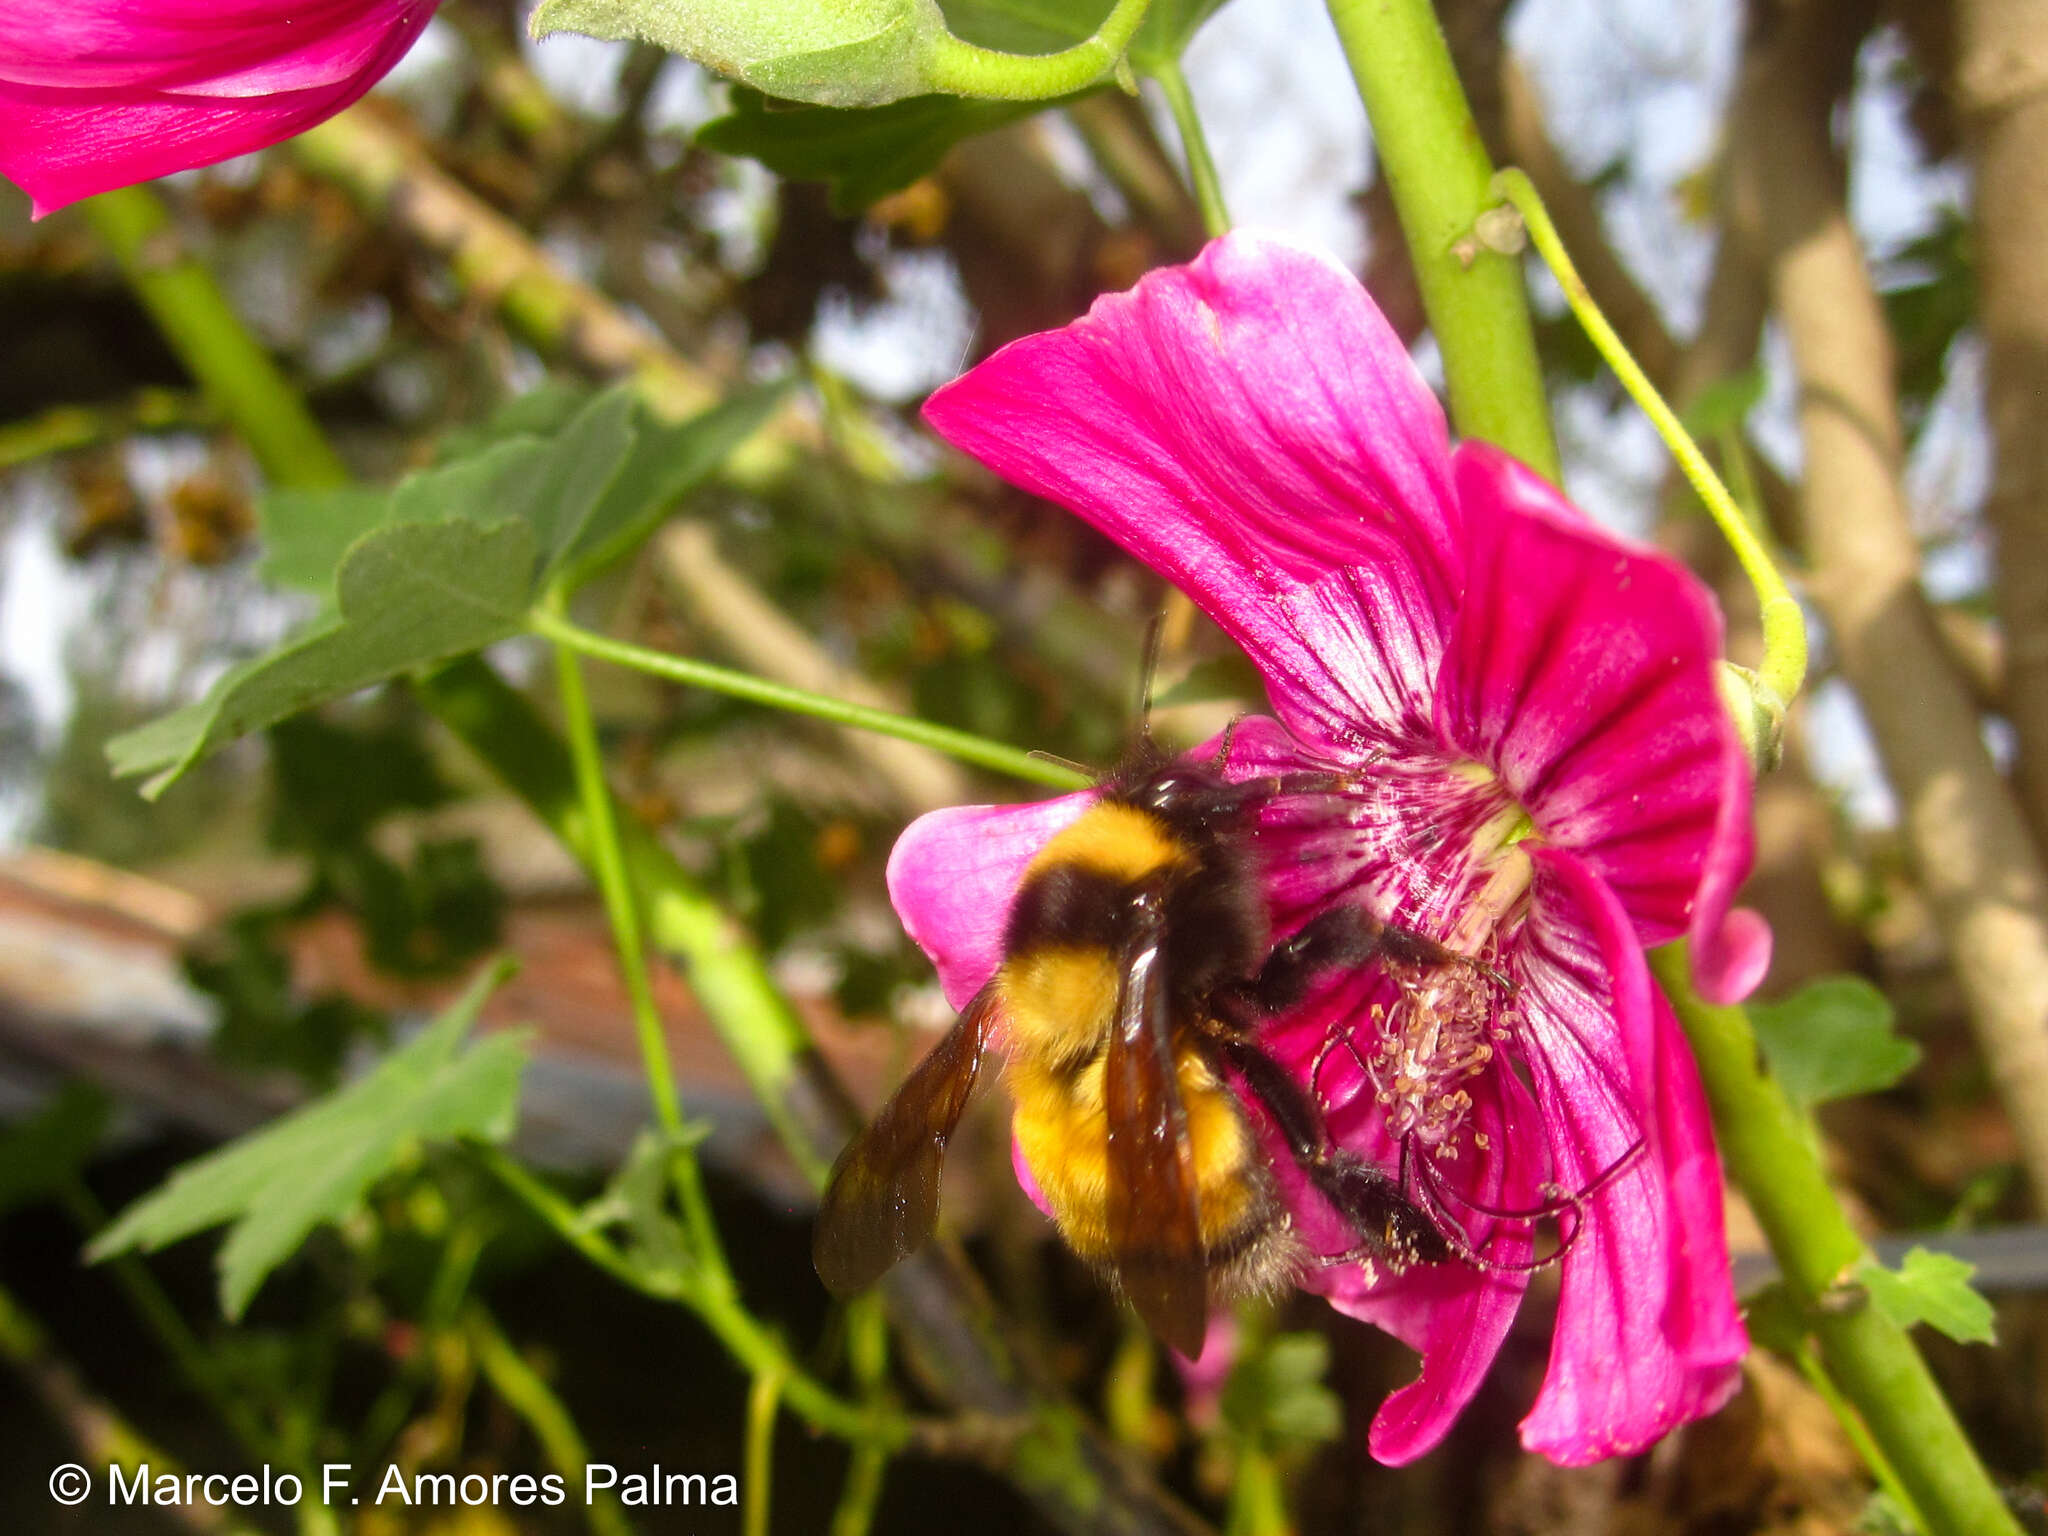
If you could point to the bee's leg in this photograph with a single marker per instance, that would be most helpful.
(1337, 939)
(1390, 1228)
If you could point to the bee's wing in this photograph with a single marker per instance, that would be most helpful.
(1155, 1228)
(883, 1200)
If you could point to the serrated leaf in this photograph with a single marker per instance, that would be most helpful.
(1832, 1040)
(323, 524)
(862, 155)
(51, 1146)
(839, 53)
(450, 561)
(408, 595)
(1931, 1288)
(315, 1164)
(667, 461)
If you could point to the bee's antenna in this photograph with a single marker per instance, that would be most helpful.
(1065, 762)
(1153, 630)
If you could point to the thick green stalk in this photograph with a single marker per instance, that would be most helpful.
(759, 690)
(1430, 152)
(1765, 1144)
(237, 375)
(961, 69)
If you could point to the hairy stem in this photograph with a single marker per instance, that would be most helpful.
(1784, 624)
(962, 69)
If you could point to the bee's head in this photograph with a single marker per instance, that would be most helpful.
(1179, 790)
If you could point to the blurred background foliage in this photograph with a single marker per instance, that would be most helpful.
(469, 251)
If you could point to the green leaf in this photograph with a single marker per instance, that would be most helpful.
(1725, 404)
(667, 460)
(1168, 28)
(1276, 1392)
(862, 155)
(323, 524)
(450, 561)
(836, 53)
(39, 1154)
(865, 154)
(1931, 1288)
(1832, 1040)
(409, 594)
(315, 1164)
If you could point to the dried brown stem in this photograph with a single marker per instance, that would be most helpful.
(2000, 89)
(1961, 824)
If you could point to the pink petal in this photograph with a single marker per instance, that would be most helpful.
(106, 93)
(1646, 1336)
(953, 874)
(1453, 1314)
(1248, 425)
(1582, 670)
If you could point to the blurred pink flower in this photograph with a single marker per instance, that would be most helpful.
(1543, 775)
(102, 93)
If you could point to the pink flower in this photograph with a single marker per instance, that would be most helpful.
(1543, 775)
(102, 93)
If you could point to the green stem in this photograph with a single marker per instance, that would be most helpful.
(759, 690)
(867, 1353)
(1194, 145)
(1430, 152)
(758, 1483)
(609, 864)
(1784, 625)
(1764, 1143)
(756, 1347)
(962, 69)
(237, 375)
(188, 1354)
(526, 1392)
(63, 428)
(1858, 1432)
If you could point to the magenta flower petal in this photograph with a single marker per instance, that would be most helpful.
(1454, 1315)
(1500, 729)
(103, 93)
(1582, 669)
(952, 875)
(1639, 1347)
(1247, 425)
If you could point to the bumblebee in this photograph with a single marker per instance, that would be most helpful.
(1138, 973)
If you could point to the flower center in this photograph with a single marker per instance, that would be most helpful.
(1446, 1022)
